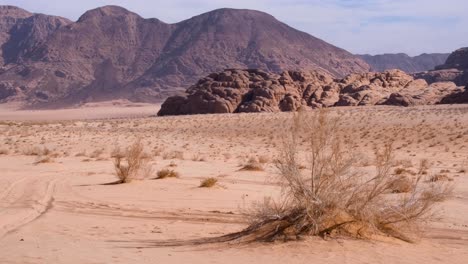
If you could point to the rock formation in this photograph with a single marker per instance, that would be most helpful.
(237, 91)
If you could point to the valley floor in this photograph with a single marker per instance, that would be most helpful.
(54, 208)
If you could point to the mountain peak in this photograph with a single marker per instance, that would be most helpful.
(13, 11)
(106, 11)
(230, 13)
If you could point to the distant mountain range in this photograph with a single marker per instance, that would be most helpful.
(112, 53)
(401, 61)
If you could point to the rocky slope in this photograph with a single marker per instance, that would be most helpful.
(455, 69)
(113, 53)
(401, 61)
(236, 91)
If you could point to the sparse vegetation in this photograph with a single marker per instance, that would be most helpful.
(43, 159)
(208, 182)
(252, 165)
(166, 173)
(333, 198)
(130, 163)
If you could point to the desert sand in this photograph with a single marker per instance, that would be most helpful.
(54, 208)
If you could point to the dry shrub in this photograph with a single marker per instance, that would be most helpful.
(263, 159)
(166, 173)
(131, 163)
(333, 198)
(252, 165)
(43, 159)
(208, 182)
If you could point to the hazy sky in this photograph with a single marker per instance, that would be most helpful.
(360, 26)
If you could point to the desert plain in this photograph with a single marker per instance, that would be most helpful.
(55, 206)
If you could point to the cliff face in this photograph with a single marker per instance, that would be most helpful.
(113, 53)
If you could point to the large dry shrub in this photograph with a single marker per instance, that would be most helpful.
(131, 162)
(330, 197)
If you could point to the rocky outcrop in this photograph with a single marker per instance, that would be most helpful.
(458, 97)
(455, 69)
(113, 53)
(401, 61)
(457, 60)
(237, 91)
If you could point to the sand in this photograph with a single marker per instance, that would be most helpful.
(59, 211)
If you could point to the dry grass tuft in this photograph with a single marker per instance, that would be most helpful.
(333, 198)
(43, 159)
(252, 165)
(208, 182)
(166, 173)
(131, 163)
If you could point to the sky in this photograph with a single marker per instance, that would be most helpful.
(359, 26)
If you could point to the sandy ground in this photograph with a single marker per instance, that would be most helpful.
(104, 110)
(57, 211)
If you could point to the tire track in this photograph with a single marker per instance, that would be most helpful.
(24, 201)
(92, 208)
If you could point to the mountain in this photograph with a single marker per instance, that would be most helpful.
(111, 53)
(457, 60)
(401, 61)
(455, 69)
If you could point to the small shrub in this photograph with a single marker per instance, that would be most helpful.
(130, 163)
(166, 173)
(252, 165)
(263, 159)
(208, 182)
(43, 159)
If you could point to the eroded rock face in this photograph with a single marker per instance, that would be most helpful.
(238, 91)
(460, 96)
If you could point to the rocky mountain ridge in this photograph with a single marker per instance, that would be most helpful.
(112, 53)
(401, 61)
